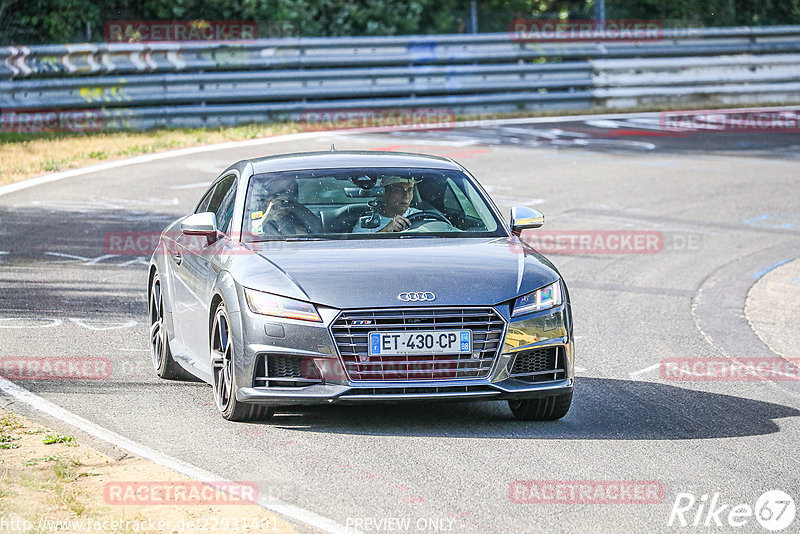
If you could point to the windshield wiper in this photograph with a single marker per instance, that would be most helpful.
(289, 239)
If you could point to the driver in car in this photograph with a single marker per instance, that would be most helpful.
(397, 195)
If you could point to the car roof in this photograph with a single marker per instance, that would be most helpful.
(342, 159)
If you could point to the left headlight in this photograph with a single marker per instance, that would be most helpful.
(541, 299)
(269, 304)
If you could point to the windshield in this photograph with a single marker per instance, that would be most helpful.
(366, 203)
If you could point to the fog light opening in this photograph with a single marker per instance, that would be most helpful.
(309, 369)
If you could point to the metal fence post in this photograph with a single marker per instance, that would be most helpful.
(600, 12)
(473, 16)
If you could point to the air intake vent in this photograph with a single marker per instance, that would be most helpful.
(281, 370)
(539, 365)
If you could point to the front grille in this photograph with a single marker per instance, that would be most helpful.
(351, 331)
(539, 365)
(281, 370)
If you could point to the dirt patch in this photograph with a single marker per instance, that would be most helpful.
(51, 483)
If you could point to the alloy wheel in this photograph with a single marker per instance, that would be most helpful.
(157, 334)
(222, 358)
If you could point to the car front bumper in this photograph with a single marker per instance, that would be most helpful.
(547, 330)
(412, 391)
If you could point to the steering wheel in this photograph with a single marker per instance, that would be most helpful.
(423, 217)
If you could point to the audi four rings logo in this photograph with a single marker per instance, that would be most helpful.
(419, 296)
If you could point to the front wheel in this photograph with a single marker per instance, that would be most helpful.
(222, 357)
(163, 363)
(541, 409)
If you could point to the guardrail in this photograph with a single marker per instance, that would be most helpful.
(191, 84)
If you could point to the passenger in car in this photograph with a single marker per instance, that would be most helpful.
(397, 196)
(281, 212)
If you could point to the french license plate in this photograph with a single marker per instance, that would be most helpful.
(420, 342)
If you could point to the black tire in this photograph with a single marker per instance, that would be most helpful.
(222, 373)
(541, 408)
(163, 363)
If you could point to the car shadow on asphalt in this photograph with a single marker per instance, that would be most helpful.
(602, 409)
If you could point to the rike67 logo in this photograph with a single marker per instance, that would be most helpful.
(774, 510)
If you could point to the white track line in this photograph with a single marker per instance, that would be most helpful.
(288, 510)
(32, 182)
(645, 370)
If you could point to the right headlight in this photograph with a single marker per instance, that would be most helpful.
(269, 304)
(541, 299)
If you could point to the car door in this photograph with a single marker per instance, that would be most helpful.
(195, 276)
(176, 245)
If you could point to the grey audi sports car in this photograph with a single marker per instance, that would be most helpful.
(331, 277)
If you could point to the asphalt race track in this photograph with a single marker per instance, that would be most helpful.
(727, 208)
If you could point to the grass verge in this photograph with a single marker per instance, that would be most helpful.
(25, 155)
(49, 482)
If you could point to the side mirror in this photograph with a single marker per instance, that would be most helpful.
(200, 224)
(523, 218)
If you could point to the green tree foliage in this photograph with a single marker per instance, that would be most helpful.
(708, 12)
(47, 21)
(64, 21)
(354, 17)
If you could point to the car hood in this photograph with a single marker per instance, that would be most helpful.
(359, 274)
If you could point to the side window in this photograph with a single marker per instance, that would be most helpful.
(478, 208)
(222, 202)
(450, 201)
(455, 201)
(468, 205)
(203, 205)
